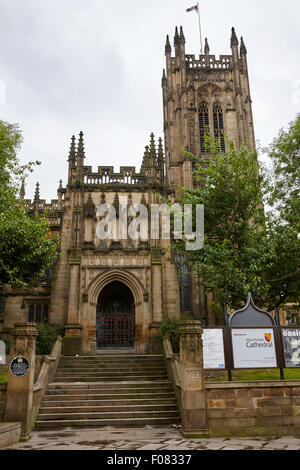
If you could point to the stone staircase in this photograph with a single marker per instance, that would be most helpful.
(109, 390)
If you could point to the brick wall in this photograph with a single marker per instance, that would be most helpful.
(254, 408)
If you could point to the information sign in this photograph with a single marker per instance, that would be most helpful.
(253, 348)
(213, 348)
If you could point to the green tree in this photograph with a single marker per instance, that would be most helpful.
(244, 250)
(26, 248)
(284, 192)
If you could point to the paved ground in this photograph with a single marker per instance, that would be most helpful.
(146, 438)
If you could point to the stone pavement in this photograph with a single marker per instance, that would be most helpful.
(146, 438)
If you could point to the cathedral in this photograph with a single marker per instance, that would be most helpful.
(111, 294)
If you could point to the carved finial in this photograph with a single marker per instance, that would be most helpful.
(243, 49)
(152, 147)
(37, 193)
(176, 37)
(206, 47)
(72, 153)
(168, 46)
(80, 148)
(60, 184)
(160, 153)
(234, 39)
(22, 190)
(182, 38)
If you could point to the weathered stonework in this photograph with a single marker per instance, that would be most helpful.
(87, 265)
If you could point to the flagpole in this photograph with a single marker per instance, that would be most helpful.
(201, 46)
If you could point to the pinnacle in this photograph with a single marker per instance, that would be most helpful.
(22, 190)
(168, 45)
(176, 37)
(206, 47)
(243, 49)
(234, 39)
(37, 193)
(72, 153)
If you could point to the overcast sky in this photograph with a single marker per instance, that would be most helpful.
(96, 66)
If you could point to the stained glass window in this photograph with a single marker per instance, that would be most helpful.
(219, 125)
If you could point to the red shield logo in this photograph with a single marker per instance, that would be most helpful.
(268, 337)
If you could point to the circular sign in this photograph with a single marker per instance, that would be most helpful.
(19, 366)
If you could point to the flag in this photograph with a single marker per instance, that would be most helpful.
(195, 7)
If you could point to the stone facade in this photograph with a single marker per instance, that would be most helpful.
(209, 91)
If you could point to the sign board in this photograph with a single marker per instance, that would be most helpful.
(213, 348)
(19, 366)
(2, 353)
(253, 348)
(291, 346)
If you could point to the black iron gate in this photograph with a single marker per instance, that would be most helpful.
(115, 325)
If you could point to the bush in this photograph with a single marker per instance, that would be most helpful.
(170, 328)
(47, 335)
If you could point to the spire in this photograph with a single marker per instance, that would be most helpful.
(60, 185)
(80, 148)
(37, 193)
(243, 49)
(176, 37)
(182, 38)
(234, 39)
(160, 153)
(168, 46)
(206, 47)
(22, 190)
(152, 153)
(72, 153)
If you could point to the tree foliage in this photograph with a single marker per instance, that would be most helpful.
(26, 249)
(246, 249)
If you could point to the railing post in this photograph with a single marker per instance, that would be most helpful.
(193, 401)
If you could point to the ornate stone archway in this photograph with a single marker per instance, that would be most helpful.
(137, 289)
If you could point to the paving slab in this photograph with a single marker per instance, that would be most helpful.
(145, 438)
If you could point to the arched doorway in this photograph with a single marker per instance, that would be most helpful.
(115, 318)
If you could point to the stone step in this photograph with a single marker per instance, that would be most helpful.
(94, 409)
(107, 379)
(114, 390)
(108, 387)
(113, 372)
(107, 415)
(116, 422)
(99, 401)
(94, 394)
(112, 367)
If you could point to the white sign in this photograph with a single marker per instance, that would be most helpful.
(213, 348)
(2, 353)
(291, 343)
(253, 348)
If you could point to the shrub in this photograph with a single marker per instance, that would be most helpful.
(170, 328)
(47, 335)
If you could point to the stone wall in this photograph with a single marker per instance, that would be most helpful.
(3, 388)
(254, 408)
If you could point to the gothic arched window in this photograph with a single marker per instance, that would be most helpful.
(219, 125)
(184, 281)
(38, 313)
(203, 125)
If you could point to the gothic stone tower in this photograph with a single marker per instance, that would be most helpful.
(203, 93)
(114, 293)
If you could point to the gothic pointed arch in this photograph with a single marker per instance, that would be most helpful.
(218, 123)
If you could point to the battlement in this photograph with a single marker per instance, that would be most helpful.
(106, 175)
(210, 61)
